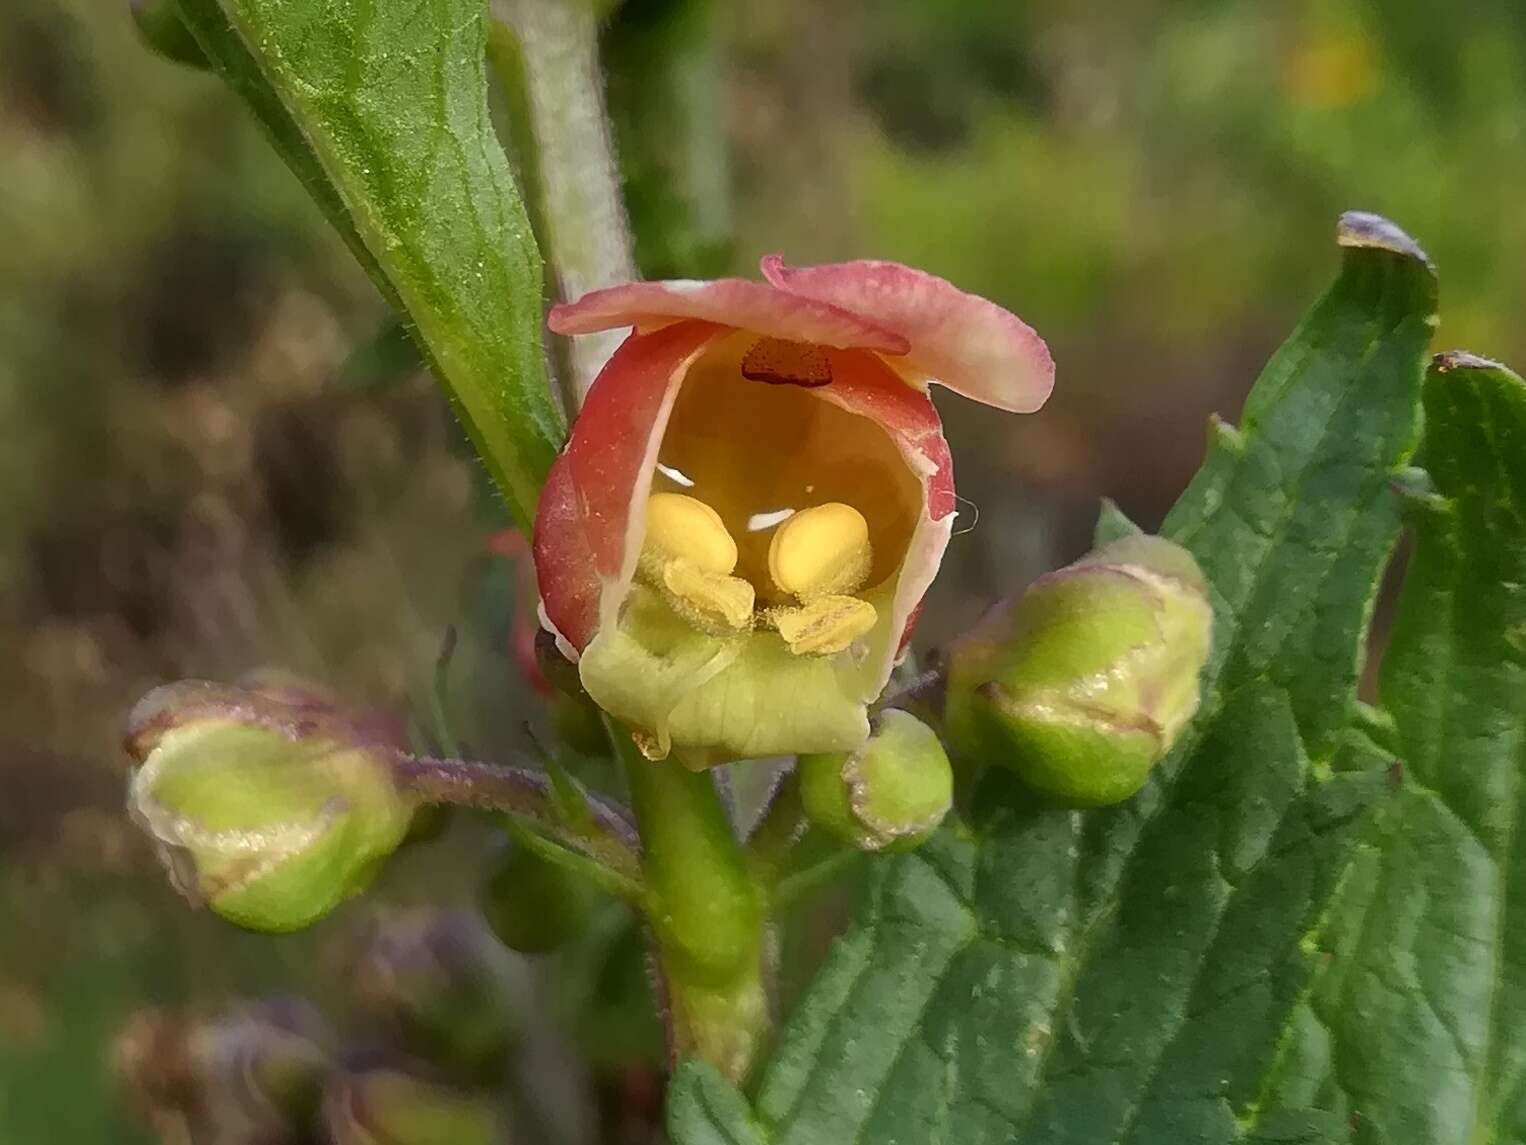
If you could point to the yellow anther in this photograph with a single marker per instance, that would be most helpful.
(821, 551)
(826, 625)
(685, 527)
(712, 601)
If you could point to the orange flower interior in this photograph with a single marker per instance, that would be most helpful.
(772, 508)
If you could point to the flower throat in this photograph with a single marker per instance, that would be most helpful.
(771, 506)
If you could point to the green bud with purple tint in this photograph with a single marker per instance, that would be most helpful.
(270, 807)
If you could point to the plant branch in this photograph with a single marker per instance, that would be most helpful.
(923, 690)
(809, 873)
(389, 130)
(587, 237)
(706, 913)
(602, 841)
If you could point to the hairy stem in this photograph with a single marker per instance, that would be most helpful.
(595, 838)
(587, 238)
(923, 691)
(706, 913)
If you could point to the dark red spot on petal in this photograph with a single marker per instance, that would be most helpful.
(781, 363)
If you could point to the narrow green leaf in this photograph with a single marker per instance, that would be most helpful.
(381, 108)
(1128, 975)
(1416, 1031)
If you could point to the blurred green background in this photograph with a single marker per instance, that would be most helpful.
(208, 462)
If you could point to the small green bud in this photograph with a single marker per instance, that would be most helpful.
(269, 809)
(443, 983)
(533, 905)
(387, 1107)
(893, 791)
(1084, 683)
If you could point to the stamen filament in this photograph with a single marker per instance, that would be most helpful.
(716, 603)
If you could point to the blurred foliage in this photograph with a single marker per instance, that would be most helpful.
(663, 67)
(1150, 184)
(182, 492)
(215, 454)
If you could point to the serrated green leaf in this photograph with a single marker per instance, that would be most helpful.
(1302, 1128)
(380, 106)
(1128, 975)
(705, 1109)
(1416, 1030)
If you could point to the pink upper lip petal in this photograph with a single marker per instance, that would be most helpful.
(965, 342)
(737, 302)
(935, 330)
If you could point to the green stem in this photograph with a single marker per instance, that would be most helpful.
(789, 857)
(922, 692)
(587, 239)
(556, 849)
(809, 873)
(706, 912)
(600, 844)
(778, 832)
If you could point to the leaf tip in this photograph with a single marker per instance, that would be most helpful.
(1365, 229)
(1416, 492)
(1222, 435)
(1449, 361)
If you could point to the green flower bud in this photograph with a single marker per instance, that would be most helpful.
(387, 1107)
(269, 809)
(893, 791)
(1083, 683)
(533, 905)
(442, 982)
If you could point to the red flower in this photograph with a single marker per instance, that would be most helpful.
(757, 493)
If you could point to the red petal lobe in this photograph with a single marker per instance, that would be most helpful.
(967, 343)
